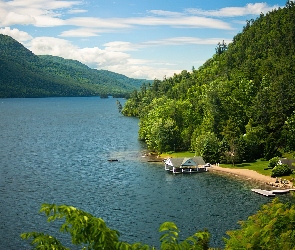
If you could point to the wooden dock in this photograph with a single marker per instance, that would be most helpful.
(263, 192)
(271, 193)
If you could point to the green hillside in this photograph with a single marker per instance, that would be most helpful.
(239, 105)
(23, 74)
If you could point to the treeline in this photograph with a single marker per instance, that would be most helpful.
(238, 106)
(23, 74)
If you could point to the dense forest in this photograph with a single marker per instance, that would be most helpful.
(23, 74)
(238, 106)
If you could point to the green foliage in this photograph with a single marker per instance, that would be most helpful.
(221, 47)
(272, 227)
(91, 232)
(244, 95)
(43, 241)
(23, 74)
(281, 170)
(273, 162)
(289, 132)
(169, 240)
(208, 146)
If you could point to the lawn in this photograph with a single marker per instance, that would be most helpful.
(178, 154)
(257, 166)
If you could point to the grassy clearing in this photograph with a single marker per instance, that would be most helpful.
(178, 154)
(257, 166)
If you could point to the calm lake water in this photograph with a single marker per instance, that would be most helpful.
(56, 150)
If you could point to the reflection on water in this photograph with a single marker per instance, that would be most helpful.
(56, 150)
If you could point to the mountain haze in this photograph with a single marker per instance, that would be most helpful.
(24, 74)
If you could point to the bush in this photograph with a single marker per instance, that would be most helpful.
(273, 162)
(281, 170)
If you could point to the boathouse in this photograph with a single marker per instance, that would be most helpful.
(185, 165)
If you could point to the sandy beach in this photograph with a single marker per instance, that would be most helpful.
(251, 175)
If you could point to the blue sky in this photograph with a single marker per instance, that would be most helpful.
(138, 38)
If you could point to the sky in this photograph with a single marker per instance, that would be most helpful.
(146, 39)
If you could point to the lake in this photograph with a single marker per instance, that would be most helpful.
(56, 150)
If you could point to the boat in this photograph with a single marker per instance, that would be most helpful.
(112, 160)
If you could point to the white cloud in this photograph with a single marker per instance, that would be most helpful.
(18, 35)
(12, 18)
(184, 41)
(77, 11)
(180, 41)
(113, 60)
(48, 13)
(82, 32)
(63, 48)
(249, 9)
(41, 13)
(165, 13)
(94, 22)
(121, 46)
(182, 21)
(143, 72)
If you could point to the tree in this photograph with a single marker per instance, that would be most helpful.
(289, 132)
(91, 232)
(272, 227)
(231, 134)
(208, 146)
(221, 47)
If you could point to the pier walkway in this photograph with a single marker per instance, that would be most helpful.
(271, 193)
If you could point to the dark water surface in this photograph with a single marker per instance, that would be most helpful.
(56, 150)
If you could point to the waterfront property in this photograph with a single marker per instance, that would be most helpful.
(186, 165)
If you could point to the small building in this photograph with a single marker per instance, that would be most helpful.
(186, 165)
(289, 162)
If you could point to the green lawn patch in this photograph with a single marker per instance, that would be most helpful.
(178, 154)
(258, 166)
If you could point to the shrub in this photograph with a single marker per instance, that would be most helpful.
(281, 170)
(273, 162)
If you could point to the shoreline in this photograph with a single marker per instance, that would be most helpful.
(251, 175)
(244, 174)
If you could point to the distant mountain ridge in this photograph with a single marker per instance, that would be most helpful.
(24, 74)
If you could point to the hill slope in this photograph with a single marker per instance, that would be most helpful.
(240, 105)
(23, 74)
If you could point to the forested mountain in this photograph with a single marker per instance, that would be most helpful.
(23, 74)
(238, 106)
